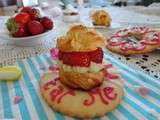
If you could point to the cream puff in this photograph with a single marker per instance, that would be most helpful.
(101, 18)
(81, 58)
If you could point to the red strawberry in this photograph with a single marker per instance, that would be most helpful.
(76, 59)
(20, 33)
(26, 9)
(47, 23)
(22, 18)
(35, 27)
(96, 56)
(34, 14)
(60, 55)
(16, 29)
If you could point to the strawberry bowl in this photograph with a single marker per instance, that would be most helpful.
(26, 41)
(28, 27)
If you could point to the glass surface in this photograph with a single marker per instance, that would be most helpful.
(97, 2)
(30, 2)
(66, 2)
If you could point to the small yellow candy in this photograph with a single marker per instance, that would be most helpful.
(10, 73)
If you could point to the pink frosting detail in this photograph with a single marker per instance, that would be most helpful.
(154, 41)
(146, 42)
(97, 81)
(140, 48)
(88, 102)
(17, 99)
(128, 46)
(105, 95)
(122, 33)
(108, 91)
(143, 91)
(50, 83)
(125, 46)
(56, 92)
(53, 68)
(109, 75)
(54, 53)
(114, 41)
(70, 92)
(107, 66)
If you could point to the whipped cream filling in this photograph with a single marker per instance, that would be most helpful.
(94, 67)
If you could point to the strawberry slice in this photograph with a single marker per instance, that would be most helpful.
(96, 56)
(76, 59)
(60, 55)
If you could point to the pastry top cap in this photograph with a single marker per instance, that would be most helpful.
(80, 39)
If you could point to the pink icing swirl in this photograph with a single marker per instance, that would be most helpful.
(58, 93)
(108, 75)
(151, 37)
(54, 53)
(129, 46)
(106, 94)
(53, 68)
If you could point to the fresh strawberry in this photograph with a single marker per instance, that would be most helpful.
(21, 32)
(26, 9)
(22, 18)
(60, 55)
(96, 56)
(34, 14)
(16, 29)
(35, 27)
(47, 23)
(76, 59)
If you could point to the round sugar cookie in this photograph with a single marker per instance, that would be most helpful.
(134, 40)
(79, 103)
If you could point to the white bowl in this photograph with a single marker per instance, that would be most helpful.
(26, 41)
(21, 41)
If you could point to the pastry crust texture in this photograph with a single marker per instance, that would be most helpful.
(101, 17)
(80, 39)
(85, 81)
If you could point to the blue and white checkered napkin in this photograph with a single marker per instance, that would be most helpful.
(33, 107)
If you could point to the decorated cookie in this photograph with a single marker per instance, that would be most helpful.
(135, 40)
(10, 73)
(81, 85)
(79, 103)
